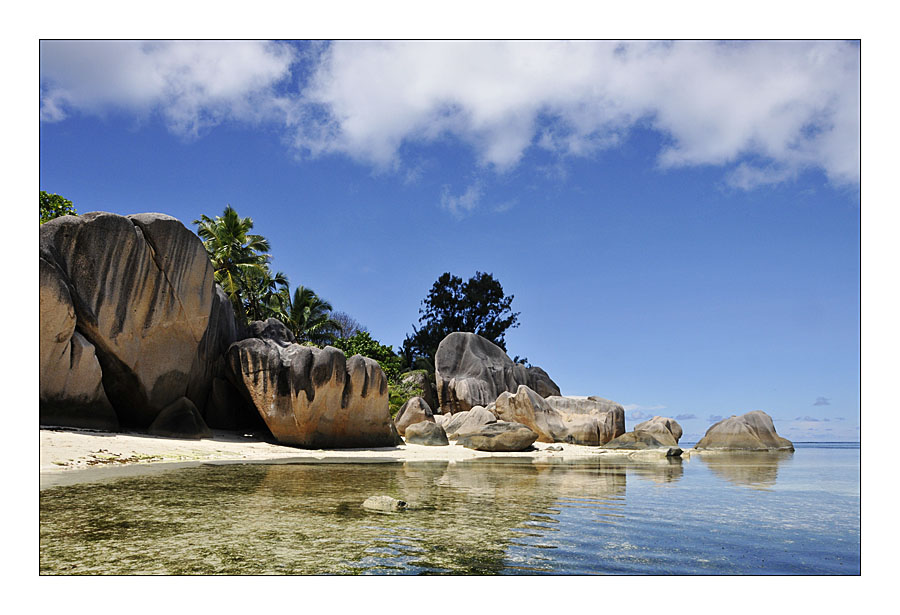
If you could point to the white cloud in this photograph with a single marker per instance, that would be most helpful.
(463, 204)
(193, 84)
(786, 105)
(763, 110)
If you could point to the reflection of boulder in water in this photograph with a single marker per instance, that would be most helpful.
(752, 469)
(665, 470)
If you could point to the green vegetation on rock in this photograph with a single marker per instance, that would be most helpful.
(54, 206)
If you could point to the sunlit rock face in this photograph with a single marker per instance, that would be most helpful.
(314, 397)
(609, 415)
(753, 431)
(499, 437)
(415, 410)
(664, 429)
(141, 293)
(472, 371)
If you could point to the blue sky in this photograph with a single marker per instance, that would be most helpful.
(679, 222)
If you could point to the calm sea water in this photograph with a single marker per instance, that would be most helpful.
(729, 514)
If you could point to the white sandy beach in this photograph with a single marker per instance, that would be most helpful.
(70, 456)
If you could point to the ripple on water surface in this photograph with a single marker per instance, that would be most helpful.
(772, 515)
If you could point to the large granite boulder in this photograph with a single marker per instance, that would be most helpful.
(499, 437)
(428, 434)
(469, 421)
(753, 431)
(610, 416)
(472, 371)
(586, 425)
(180, 419)
(420, 379)
(641, 440)
(314, 397)
(415, 410)
(664, 429)
(142, 293)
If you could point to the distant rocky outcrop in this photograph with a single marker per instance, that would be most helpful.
(499, 437)
(130, 320)
(314, 397)
(426, 433)
(664, 429)
(588, 423)
(472, 371)
(753, 431)
(415, 410)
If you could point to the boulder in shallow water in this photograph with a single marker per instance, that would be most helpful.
(472, 371)
(428, 434)
(753, 431)
(314, 397)
(664, 429)
(180, 419)
(499, 437)
(636, 440)
(384, 503)
(415, 410)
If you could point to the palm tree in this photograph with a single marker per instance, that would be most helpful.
(265, 295)
(309, 318)
(234, 252)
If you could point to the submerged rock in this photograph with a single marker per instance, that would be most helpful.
(499, 437)
(472, 371)
(753, 431)
(314, 397)
(384, 503)
(428, 434)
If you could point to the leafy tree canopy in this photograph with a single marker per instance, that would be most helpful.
(476, 306)
(54, 206)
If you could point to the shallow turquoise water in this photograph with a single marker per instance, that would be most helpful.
(729, 514)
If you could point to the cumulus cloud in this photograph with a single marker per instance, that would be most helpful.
(765, 109)
(822, 401)
(811, 419)
(714, 418)
(685, 417)
(192, 84)
(638, 415)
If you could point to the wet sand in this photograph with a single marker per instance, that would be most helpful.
(69, 456)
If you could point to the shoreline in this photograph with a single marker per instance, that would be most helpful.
(70, 456)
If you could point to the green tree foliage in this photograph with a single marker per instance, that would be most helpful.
(309, 318)
(54, 206)
(476, 306)
(237, 256)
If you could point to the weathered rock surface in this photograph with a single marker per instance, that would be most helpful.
(415, 410)
(421, 380)
(499, 437)
(427, 433)
(610, 417)
(142, 294)
(384, 503)
(471, 371)
(641, 440)
(312, 397)
(587, 425)
(468, 421)
(180, 419)
(271, 329)
(753, 431)
(664, 429)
